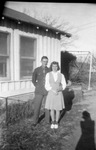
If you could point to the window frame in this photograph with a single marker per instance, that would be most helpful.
(35, 37)
(8, 55)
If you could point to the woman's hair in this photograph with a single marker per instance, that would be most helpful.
(54, 63)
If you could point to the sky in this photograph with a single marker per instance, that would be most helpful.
(82, 16)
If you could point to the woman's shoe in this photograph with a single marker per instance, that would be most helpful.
(56, 125)
(52, 125)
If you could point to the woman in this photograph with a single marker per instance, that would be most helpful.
(54, 84)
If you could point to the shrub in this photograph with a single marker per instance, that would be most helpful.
(19, 110)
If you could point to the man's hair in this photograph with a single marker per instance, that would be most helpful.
(44, 57)
(54, 63)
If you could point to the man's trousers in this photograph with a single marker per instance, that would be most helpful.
(37, 106)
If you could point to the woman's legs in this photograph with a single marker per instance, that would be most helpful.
(57, 118)
(52, 115)
(53, 118)
(57, 115)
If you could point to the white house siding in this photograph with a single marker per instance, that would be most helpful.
(39, 50)
(55, 50)
(58, 51)
(46, 45)
(11, 86)
(49, 47)
(52, 50)
(16, 56)
(0, 88)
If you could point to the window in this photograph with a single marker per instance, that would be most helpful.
(4, 54)
(27, 56)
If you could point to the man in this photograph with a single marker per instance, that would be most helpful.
(38, 79)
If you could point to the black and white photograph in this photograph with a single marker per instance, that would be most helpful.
(47, 76)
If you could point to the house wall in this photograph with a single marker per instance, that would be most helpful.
(47, 43)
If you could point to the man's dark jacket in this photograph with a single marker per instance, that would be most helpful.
(38, 79)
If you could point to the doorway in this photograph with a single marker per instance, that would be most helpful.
(66, 59)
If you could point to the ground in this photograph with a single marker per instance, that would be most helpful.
(22, 136)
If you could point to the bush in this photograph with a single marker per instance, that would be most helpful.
(18, 111)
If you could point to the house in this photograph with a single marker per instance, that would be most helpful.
(23, 41)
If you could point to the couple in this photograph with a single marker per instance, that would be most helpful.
(49, 83)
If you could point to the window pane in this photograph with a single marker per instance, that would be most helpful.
(27, 46)
(3, 64)
(3, 43)
(26, 67)
(4, 54)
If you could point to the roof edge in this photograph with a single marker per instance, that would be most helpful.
(34, 21)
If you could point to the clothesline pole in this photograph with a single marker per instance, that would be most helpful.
(90, 70)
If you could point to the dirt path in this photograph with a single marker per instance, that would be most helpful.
(88, 102)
